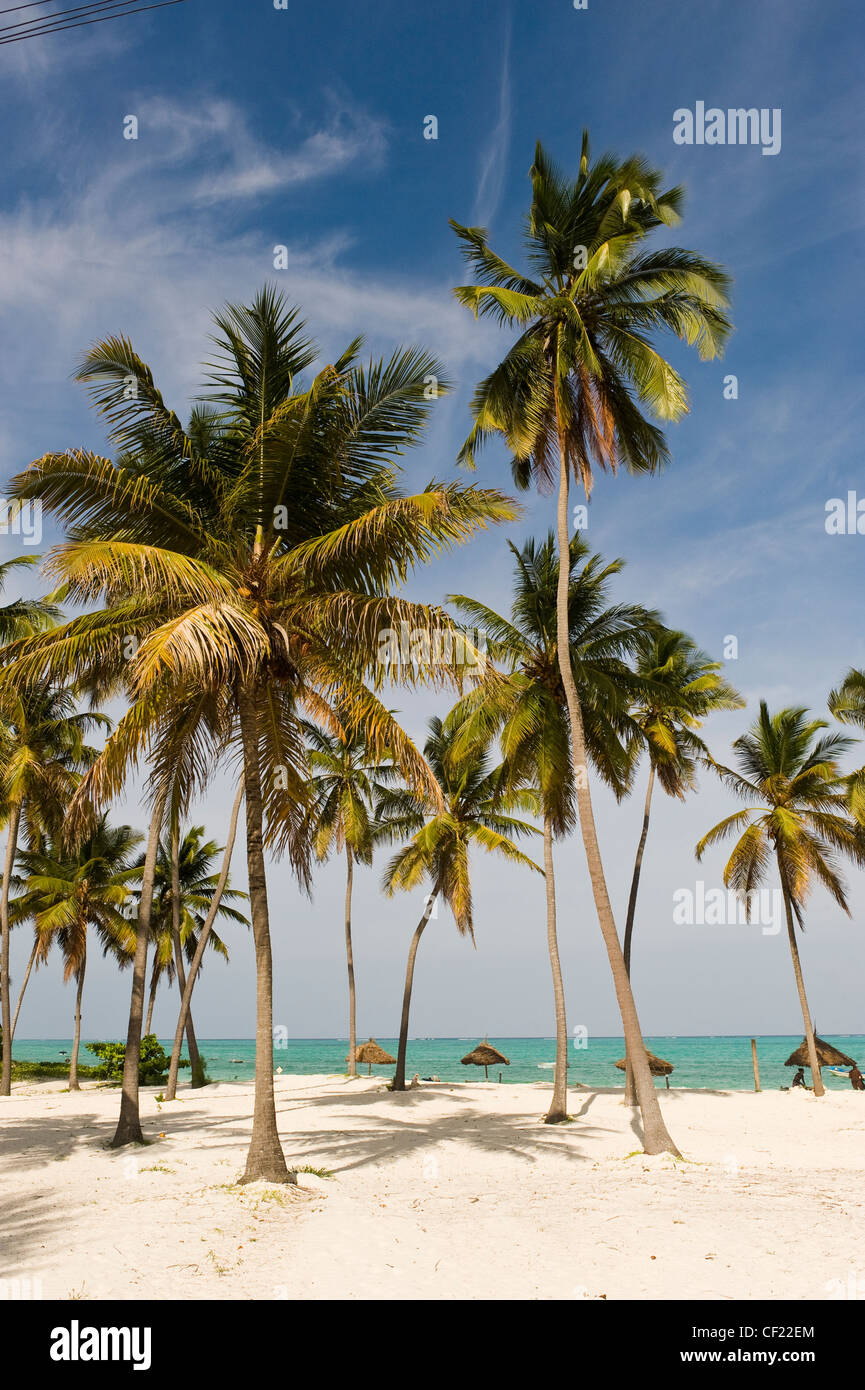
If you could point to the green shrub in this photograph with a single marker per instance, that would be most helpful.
(153, 1061)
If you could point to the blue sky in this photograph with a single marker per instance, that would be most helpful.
(304, 128)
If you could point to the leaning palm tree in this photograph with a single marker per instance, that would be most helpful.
(684, 687)
(68, 894)
(220, 883)
(570, 394)
(345, 784)
(527, 707)
(196, 885)
(797, 816)
(43, 753)
(254, 558)
(471, 811)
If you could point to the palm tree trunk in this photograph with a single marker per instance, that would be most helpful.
(630, 1089)
(171, 1088)
(129, 1124)
(30, 964)
(151, 1000)
(558, 1110)
(197, 1069)
(265, 1160)
(191, 1042)
(352, 1002)
(813, 1061)
(76, 1041)
(398, 1083)
(5, 982)
(656, 1138)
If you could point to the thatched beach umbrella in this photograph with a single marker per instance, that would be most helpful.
(827, 1055)
(485, 1056)
(657, 1066)
(371, 1053)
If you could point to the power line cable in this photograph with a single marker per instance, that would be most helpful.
(47, 26)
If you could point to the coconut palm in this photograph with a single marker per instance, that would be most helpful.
(847, 704)
(797, 816)
(685, 686)
(20, 618)
(196, 887)
(345, 785)
(43, 753)
(471, 811)
(68, 894)
(571, 392)
(528, 708)
(203, 938)
(254, 558)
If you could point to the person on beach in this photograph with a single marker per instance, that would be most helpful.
(799, 1078)
(857, 1080)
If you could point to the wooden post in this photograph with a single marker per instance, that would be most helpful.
(756, 1064)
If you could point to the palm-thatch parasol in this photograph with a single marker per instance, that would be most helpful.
(827, 1055)
(374, 1055)
(657, 1066)
(484, 1055)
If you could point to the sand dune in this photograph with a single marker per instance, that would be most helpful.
(443, 1192)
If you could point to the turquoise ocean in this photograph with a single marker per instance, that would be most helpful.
(713, 1063)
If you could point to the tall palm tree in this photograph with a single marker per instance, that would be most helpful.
(685, 686)
(42, 755)
(471, 811)
(797, 816)
(570, 394)
(345, 785)
(528, 708)
(255, 555)
(67, 893)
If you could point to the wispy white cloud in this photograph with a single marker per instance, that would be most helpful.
(130, 250)
(238, 165)
(494, 159)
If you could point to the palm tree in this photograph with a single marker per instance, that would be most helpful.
(472, 810)
(67, 893)
(847, 704)
(196, 887)
(684, 687)
(528, 708)
(797, 816)
(570, 394)
(43, 754)
(21, 618)
(219, 887)
(255, 556)
(345, 785)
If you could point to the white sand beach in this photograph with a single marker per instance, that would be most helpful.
(447, 1191)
